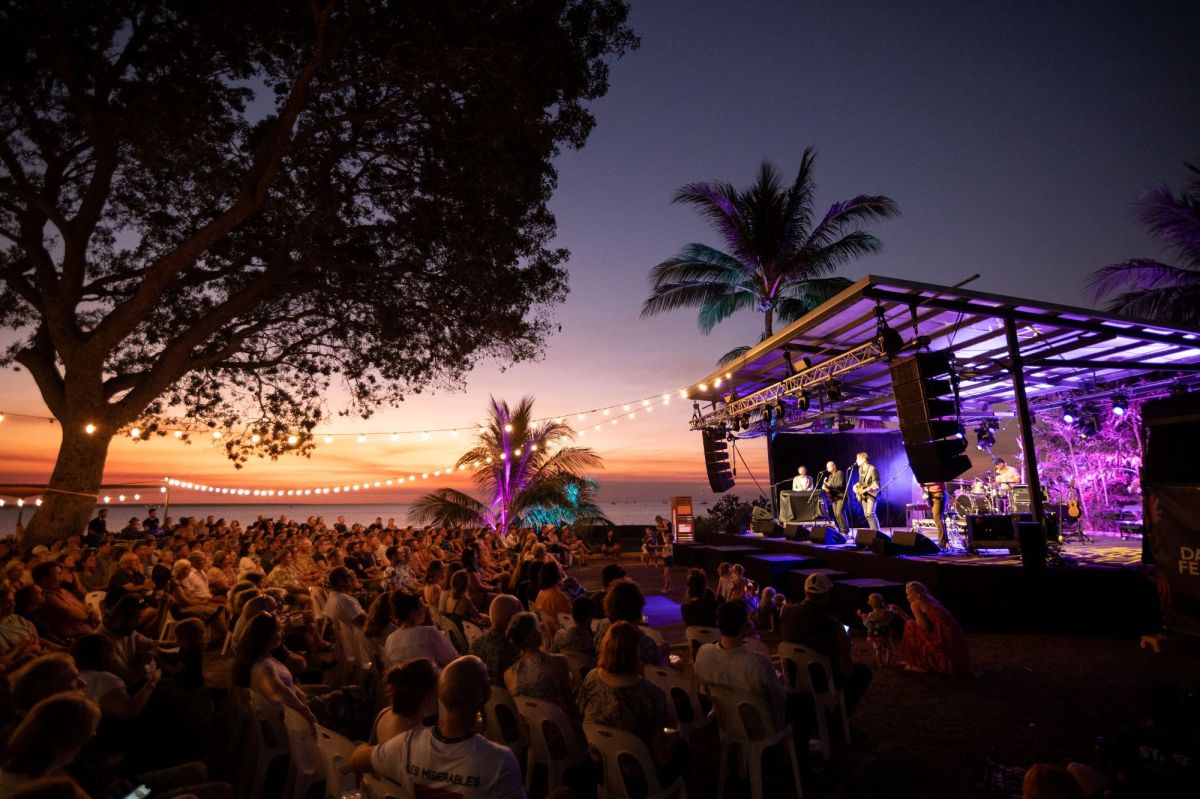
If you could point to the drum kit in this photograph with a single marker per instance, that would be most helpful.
(980, 496)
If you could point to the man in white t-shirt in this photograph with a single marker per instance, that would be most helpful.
(340, 606)
(451, 760)
(729, 664)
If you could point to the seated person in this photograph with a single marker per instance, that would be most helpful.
(65, 615)
(493, 647)
(551, 600)
(50, 736)
(625, 602)
(188, 604)
(412, 690)
(451, 758)
(616, 694)
(538, 674)
(341, 606)
(578, 638)
(699, 608)
(811, 624)
(40, 678)
(94, 655)
(131, 650)
(932, 639)
(414, 637)
(18, 635)
(729, 664)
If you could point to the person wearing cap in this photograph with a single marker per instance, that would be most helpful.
(811, 624)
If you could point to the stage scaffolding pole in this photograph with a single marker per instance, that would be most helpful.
(1025, 419)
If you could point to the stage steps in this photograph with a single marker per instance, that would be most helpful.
(796, 578)
(772, 569)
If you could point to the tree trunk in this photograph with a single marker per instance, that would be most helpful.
(74, 484)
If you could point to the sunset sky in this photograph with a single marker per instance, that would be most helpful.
(1014, 138)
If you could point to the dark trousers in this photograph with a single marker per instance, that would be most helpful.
(937, 506)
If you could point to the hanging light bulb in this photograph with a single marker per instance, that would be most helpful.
(1120, 404)
(292, 440)
(394, 437)
(507, 427)
(425, 436)
(254, 439)
(216, 435)
(89, 428)
(178, 434)
(361, 439)
(328, 439)
(135, 433)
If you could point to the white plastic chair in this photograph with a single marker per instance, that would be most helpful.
(306, 772)
(683, 700)
(757, 645)
(95, 600)
(580, 664)
(457, 638)
(471, 631)
(654, 635)
(335, 753)
(380, 787)
(614, 745)
(806, 671)
(698, 636)
(747, 731)
(554, 752)
(268, 740)
(502, 722)
(167, 623)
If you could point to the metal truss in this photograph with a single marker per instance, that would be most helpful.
(822, 373)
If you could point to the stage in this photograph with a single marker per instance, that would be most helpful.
(1097, 589)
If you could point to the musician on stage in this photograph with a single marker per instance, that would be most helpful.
(1006, 476)
(802, 482)
(937, 508)
(867, 488)
(833, 491)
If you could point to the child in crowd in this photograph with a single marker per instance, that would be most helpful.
(723, 581)
(765, 618)
(735, 588)
(879, 621)
(650, 547)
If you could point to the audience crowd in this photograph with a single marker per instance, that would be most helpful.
(105, 638)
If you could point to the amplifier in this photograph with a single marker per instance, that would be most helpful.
(991, 531)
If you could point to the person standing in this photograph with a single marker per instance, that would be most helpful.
(834, 491)
(937, 508)
(96, 530)
(867, 488)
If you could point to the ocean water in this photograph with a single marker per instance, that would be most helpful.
(630, 512)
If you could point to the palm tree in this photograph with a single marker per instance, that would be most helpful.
(776, 260)
(1151, 289)
(525, 468)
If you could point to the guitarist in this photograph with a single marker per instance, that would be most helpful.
(833, 488)
(867, 488)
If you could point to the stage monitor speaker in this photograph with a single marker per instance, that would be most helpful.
(907, 542)
(764, 526)
(1053, 523)
(823, 534)
(794, 531)
(865, 537)
(716, 461)
(1033, 545)
(923, 385)
(993, 531)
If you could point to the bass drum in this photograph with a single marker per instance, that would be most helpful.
(969, 504)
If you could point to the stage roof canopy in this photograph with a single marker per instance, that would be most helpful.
(1069, 354)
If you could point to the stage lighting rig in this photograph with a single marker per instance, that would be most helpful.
(1120, 404)
(985, 439)
(803, 400)
(833, 391)
(845, 424)
(1070, 413)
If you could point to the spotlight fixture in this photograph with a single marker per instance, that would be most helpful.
(766, 416)
(780, 410)
(1070, 413)
(985, 439)
(834, 391)
(1120, 404)
(803, 400)
(844, 424)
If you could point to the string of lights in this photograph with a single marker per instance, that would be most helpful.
(179, 429)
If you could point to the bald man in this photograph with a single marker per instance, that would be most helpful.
(450, 759)
(493, 647)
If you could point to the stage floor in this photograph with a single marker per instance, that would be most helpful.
(1092, 588)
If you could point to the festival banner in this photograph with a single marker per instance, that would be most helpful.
(1172, 539)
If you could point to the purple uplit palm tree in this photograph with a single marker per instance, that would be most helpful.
(1151, 289)
(776, 260)
(522, 465)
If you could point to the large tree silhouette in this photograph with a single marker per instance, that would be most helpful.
(221, 210)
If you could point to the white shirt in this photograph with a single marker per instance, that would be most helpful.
(802, 482)
(342, 607)
(418, 642)
(742, 670)
(426, 764)
(196, 585)
(99, 684)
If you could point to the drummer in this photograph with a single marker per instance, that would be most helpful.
(1006, 476)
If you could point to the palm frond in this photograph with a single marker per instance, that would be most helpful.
(799, 297)
(698, 263)
(1139, 274)
(720, 308)
(1175, 220)
(689, 295)
(720, 204)
(827, 259)
(447, 506)
(860, 209)
(732, 355)
(1179, 305)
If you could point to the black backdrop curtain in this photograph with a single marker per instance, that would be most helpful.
(786, 452)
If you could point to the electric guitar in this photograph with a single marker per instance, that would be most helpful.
(1073, 509)
(861, 492)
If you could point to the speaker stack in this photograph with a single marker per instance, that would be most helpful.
(927, 407)
(716, 461)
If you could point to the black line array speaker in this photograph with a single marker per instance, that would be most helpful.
(927, 407)
(716, 461)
